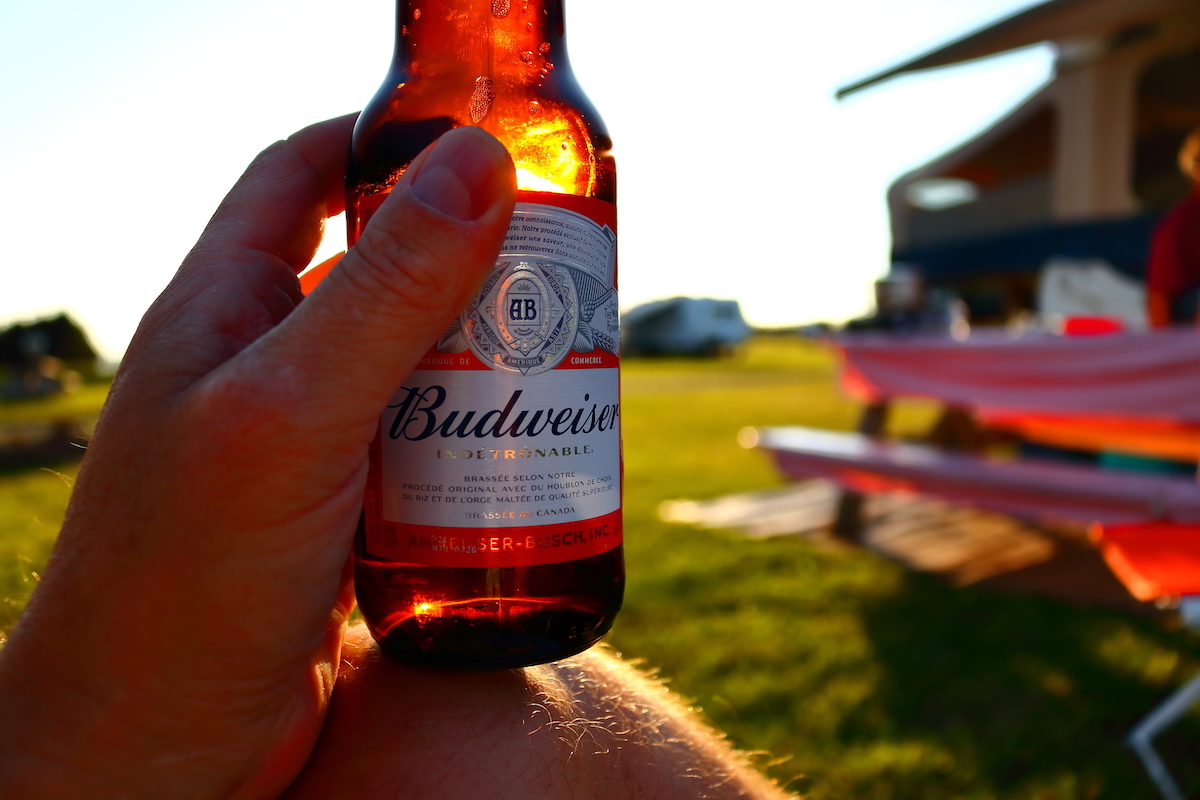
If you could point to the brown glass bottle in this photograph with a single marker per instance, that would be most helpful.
(508, 553)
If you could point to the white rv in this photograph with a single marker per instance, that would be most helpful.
(683, 326)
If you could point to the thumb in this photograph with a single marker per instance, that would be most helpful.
(415, 266)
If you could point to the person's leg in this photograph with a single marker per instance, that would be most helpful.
(586, 727)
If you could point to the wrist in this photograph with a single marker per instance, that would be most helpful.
(68, 728)
(43, 731)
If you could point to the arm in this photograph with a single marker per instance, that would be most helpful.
(588, 727)
(1162, 271)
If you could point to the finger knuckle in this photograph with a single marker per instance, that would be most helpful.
(239, 406)
(422, 274)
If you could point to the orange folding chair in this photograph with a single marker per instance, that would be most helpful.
(1158, 561)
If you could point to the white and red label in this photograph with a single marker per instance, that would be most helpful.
(503, 446)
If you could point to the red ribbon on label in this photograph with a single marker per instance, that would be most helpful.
(526, 546)
(598, 359)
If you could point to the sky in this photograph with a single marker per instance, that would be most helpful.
(741, 176)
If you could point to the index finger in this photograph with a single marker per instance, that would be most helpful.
(239, 279)
(279, 205)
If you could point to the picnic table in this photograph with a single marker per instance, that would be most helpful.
(1132, 393)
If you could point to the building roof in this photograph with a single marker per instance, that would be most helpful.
(1050, 21)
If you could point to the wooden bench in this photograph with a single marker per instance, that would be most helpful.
(1035, 490)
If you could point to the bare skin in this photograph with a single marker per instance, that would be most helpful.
(590, 727)
(187, 637)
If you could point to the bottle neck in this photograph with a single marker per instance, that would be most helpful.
(517, 38)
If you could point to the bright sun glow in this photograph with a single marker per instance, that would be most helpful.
(552, 154)
(532, 181)
(425, 609)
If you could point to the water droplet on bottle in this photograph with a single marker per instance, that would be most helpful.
(404, 30)
(535, 107)
(416, 13)
(544, 47)
(549, 66)
(500, 8)
(529, 27)
(527, 57)
(481, 98)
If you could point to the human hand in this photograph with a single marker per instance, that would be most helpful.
(184, 641)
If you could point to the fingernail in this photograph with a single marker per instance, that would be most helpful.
(464, 173)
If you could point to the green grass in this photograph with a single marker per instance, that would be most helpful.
(82, 405)
(31, 512)
(32, 501)
(860, 679)
(871, 681)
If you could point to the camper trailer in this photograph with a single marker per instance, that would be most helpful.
(1076, 177)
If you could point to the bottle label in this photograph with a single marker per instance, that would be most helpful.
(503, 446)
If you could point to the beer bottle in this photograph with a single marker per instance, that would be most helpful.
(491, 533)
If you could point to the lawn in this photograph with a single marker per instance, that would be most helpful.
(32, 501)
(854, 677)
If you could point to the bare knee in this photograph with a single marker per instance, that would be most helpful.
(585, 727)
